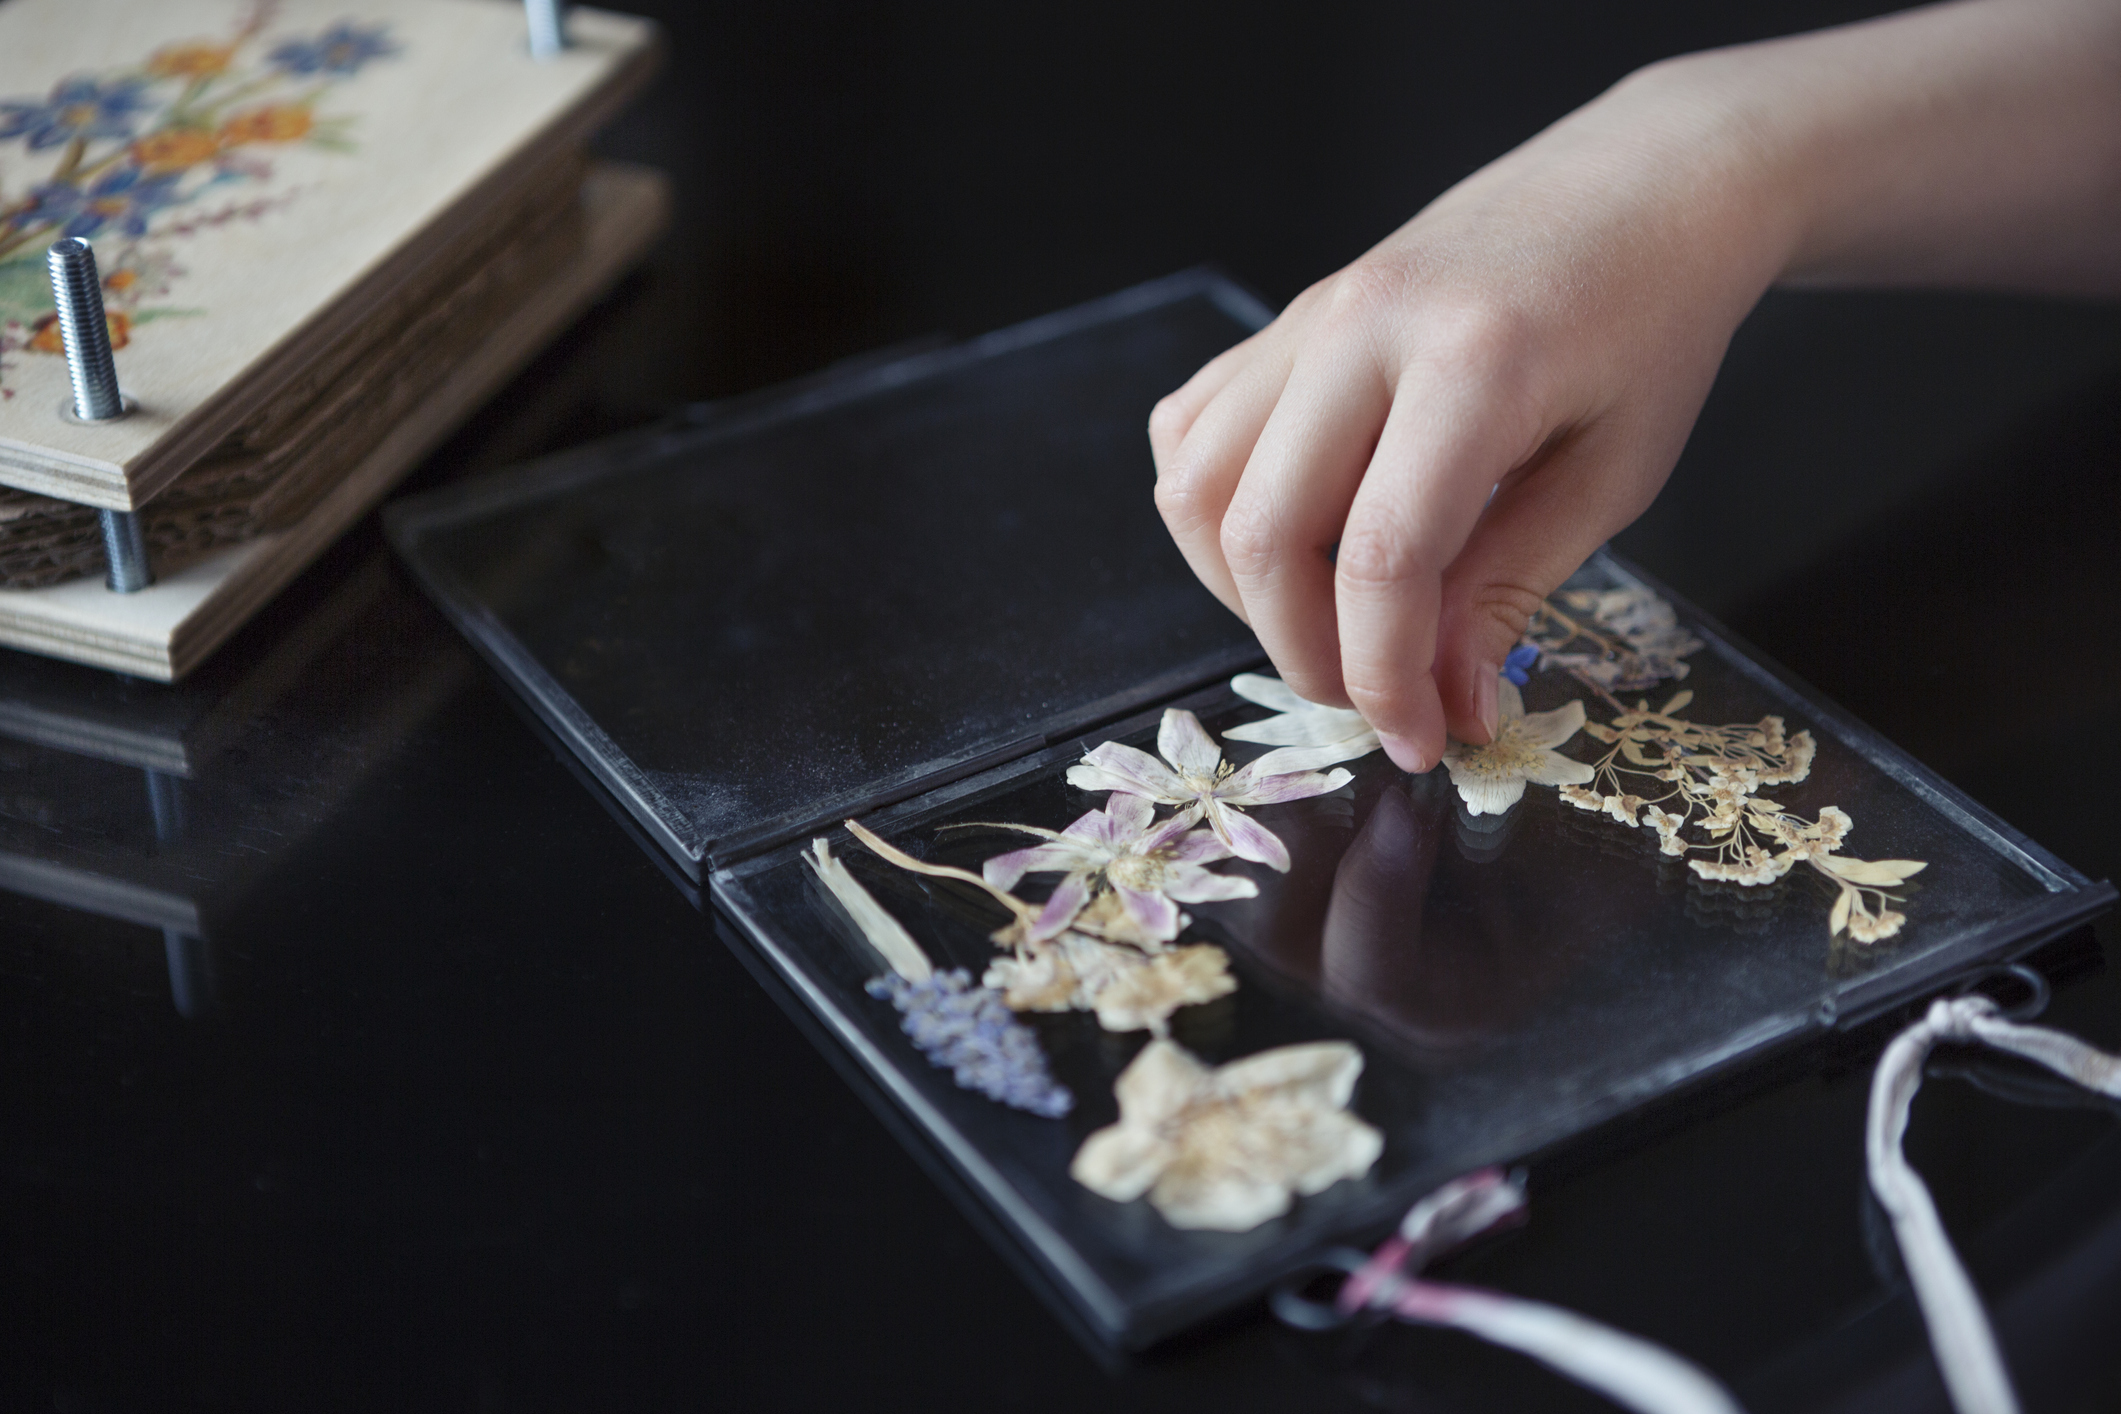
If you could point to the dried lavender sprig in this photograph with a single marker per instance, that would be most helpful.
(967, 1030)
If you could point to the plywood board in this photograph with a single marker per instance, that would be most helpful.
(165, 630)
(261, 181)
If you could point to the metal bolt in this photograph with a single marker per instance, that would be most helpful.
(77, 293)
(548, 27)
(125, 552)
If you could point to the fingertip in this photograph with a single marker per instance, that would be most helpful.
(1406, 754)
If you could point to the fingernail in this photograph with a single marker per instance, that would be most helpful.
(1405, 754)
(1490, 713)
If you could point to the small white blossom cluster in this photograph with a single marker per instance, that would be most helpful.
(1666, 774)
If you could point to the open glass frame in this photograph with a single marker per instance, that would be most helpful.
(1513, 981)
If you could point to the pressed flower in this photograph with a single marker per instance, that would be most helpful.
(1491, 778)
(1300, 722)
(969, 1032)
(78, 108)
(1518, 666)
(340, 50)
(46, 336)
(1149, 867)
(1193, 776)
(1129, 990)
(1227, 1148)
(127, 197)
(174, 149)
(191, 61)
(279, 122)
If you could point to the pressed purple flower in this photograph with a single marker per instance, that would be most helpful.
(340, 50)
(1194, 776)
(125, 197)
(968, 1031)
(78, 107)
(1152, 867)
(1518, 666)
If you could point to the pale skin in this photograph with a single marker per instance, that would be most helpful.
(1385, 481)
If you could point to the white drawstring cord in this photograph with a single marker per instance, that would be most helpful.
(1960, 1337)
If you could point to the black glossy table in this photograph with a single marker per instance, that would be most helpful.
(358, 1058)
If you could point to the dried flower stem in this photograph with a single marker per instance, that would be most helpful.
(1025, 913)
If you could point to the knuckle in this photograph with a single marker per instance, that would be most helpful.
(1168, 418)
(1506, 607)
(1183, 494)
(1369, 560)
(1251, 543)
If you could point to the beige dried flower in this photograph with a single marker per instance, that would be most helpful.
(1227, 1148)
(1491, 778)
(1129, 990)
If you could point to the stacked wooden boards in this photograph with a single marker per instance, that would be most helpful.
(327, 233)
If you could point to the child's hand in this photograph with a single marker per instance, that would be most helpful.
(1546, 331)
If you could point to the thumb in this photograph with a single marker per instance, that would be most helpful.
(1540, 527)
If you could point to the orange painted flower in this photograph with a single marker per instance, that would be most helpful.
(191, 61)
(282, 122)
(46, 338)
(174, 149)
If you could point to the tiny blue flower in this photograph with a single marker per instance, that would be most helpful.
(126, 198)
(78, 107)
(340, 50)
(968, 1031)
(1518, 666)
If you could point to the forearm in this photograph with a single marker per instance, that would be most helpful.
(1969, 144)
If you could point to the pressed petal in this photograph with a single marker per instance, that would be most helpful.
(1317, 727)
(1552, 728)
(1161, 1080)
(1551, 768)
(1113, 766)
(1121, 1161)
(1189, 883)
(1509, 702)
(1326, 1146)
(1130, 814)
(1217, 1199)
(1155, 915)
(1315, 1072)
(1274, 693)
(1196, 847)
(1284, 760)
(1185, 743)
(1059, 856)
(1248, 787)
(1068, 899)
(1486, 797)
(1247, 838)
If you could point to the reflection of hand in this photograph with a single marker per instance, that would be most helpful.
(1547, 329)
(1443, 973)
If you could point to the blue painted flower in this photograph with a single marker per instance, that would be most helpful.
(341, 50)
(126, 198)
(78, 107)
(968, 1031)
(1518, 666)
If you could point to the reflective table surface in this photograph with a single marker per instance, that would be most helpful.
(359, 1058)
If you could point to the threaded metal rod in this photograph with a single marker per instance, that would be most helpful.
(77, 293)
(548, 27)
(125, 552)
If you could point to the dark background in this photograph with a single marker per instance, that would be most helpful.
(481, 1115)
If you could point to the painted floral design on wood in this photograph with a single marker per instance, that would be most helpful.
(143, 157)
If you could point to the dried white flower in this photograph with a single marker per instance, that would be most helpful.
(1341, 730)
(1492, 778)
(1227, 1148)
(1194, 775)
